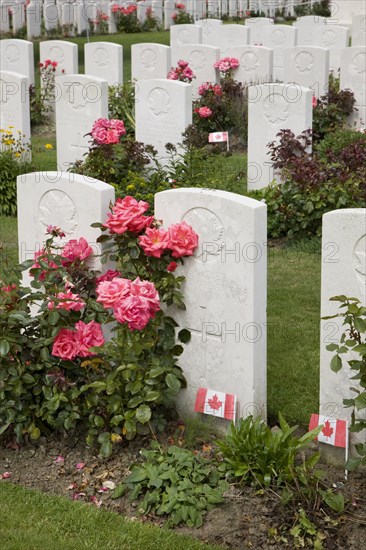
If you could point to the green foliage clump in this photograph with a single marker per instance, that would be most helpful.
(176, 482)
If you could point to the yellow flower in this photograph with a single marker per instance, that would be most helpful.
(2, 130)
(49, 146)
(17, 155)
(130, 187)
(10, 126)
(115, 438)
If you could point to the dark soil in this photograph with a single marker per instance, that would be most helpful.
(246, 519)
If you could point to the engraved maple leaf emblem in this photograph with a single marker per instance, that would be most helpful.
(249, 61)
(215, 403)
(57, 208)
(304, 62)
(327, 430)
(197, 60)
(359, 63)
(159, 102)
(360, 263)
(148, 59)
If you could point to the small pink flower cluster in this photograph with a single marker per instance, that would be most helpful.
(124, 11)
(208, 87)
(55, 231)
(48, 63)
(69, 344)
(133, 302)
(226, 64)
(8, 288)
(180, 239)
(182, 72)
(180, 6)
(128, 215)
(68, 301)
(314, 101)
(203, 112)
(106, 132)
(73, 251)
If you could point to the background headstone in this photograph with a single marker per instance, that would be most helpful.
(14, 104)
(17, 56)
(256, 64)
(201, 59)
(150, 61)
(353, 77)
(309, 67)
(273, 107)
(185, 34)
(163, 112)
(105, 60)
(279, 38)
(80, 101)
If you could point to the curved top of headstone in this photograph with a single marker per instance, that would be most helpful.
(52, 177)
(217, 194)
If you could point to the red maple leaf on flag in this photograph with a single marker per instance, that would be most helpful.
(327, 430)
(214, 403)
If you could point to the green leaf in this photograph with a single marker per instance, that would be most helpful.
(137, 475)
(119, 491)
(4, 347)
(360, 324)
(143, 414)
(353, 463)
(172, 382)
(35, 433)
(184, 336)
(360, 401)
(106, 449)
(152, 395)
(335, 501)
(336, 363)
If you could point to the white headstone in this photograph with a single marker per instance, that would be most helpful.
(51, 15)
(209, 29)
(307, 27)
(14, 104)
(105, 60)
(34, 19)
(359, 30)
(201, 59)
(80, 100)
(67, 18)
(273, 107)
(150, 61)
(343, 272)
(353, 76)
(81, 17)
(256, 64)
(157, 10)
(342, 11)
(255, 24)
(18, 15)
(335, 38)
(112, 24)
(227, 36)
(309, 67)
(4, 19)
(66, 200)
(169, 11)
(279, 38)
(17, 56)
(63, 52)
(185, 34)
(163, 112)
(224, 293)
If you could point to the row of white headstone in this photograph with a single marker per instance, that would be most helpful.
(226, 279)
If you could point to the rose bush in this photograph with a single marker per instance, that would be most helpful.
(58, 370)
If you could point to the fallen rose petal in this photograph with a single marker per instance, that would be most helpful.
(72, 486)
(80, 465)
(59, 460)
(95, 501)
(109, 485)
(5, 475)
(103, 490)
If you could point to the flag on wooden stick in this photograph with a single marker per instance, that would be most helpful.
(217, 137)
(334, 431)
(216, 403)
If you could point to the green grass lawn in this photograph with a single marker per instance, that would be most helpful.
(34, 521)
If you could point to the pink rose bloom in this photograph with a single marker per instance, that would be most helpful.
(183, 240)
(110, 292)
(182, 64)
(76, 250)
(234, 62)
(315, 101)
(69, 301)
(105, 132)
(134, 311)
(154, 242)
(172, 74)
(204, 112)
(9, 288)
(127, 215)
(108, 276)
(87, 336)
(188, 73)
(65, 345)
(203, 88)
(147, 291)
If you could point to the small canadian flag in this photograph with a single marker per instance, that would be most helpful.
(216, 137)
(216, 403)
(334, 431)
